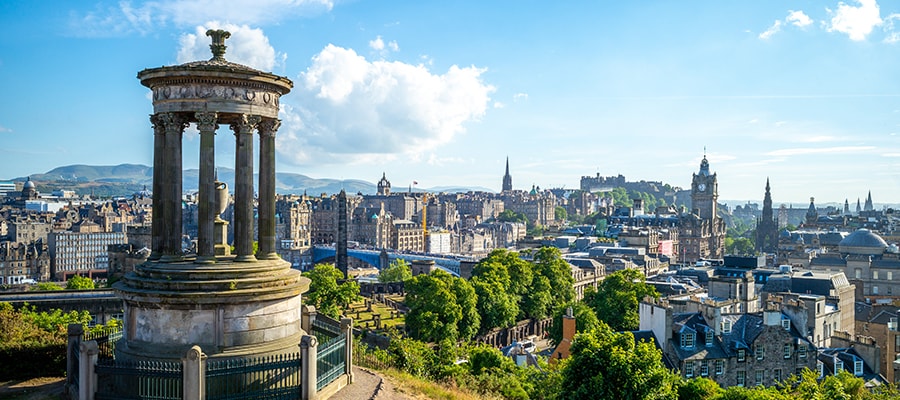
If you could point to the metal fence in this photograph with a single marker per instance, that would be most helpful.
(106, 339)
(147, 380)
(273, 377)
(330, 360)
(325, 331)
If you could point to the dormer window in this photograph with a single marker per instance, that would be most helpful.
(786, 324)
(858, 368)
(838, 366)
(687, 339)
(726, 326)
(741, 355)
(709, 337)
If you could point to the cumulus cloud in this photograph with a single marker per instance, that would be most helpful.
(248, 46)
(379, 45)
(775, 28)
(144, 17)
(348, 109)
(889, 28)
(856, 22)
(798, 19)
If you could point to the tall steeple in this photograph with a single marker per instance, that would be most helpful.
(507, 179)
(766, 227)
(869, 206)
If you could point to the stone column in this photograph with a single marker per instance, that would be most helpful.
(171, 188)
(243, 186)
(87, 378)
(347, 330)
(266, 229)
(159, 151)
(308, 361)
(193, 367)
(206, 123)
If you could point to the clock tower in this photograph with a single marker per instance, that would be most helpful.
(705, 192)
(701, 231)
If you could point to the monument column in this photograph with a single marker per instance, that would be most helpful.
(206, 123)
(174, 127)
(156, 224)
(266, 229)
(243, 186)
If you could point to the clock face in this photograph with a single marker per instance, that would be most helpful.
(702, 187)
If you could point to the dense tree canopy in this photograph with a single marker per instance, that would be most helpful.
(609, 365)
(617, 298)
(549, 264)
(398, 271)
(329, 297)
(79, 283)
(434, 313)
(512, 216)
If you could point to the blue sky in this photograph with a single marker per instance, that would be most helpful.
(805, 93)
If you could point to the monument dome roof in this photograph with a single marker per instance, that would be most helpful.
(863, 238)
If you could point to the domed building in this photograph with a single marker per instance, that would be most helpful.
(863, 242)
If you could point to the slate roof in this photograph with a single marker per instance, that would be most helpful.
(829, 357)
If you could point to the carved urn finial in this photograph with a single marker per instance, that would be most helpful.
(218, 43)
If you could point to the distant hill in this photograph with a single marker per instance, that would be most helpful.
(126, 179)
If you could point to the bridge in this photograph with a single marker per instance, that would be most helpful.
(382, 258)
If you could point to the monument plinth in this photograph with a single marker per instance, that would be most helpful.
(237, 305)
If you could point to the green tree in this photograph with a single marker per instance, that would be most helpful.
(609, 365)
(79, 283)
(507, 268)
(585, 320)
(498, 308)
(398, 271)
(434, 313)
(699, 389)
(329, 297)
(45, 286)
(617, 298)
(549, 264)
(560, 213)
(467, 300)
(739, 246)
(512, 216)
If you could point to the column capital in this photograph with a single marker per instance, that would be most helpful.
(245, 124)
(158, 127)
(268, 127)
(206, 121)
(173, 122)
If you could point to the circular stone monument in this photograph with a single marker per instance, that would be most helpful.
(237, 305)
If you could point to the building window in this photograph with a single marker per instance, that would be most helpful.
(760, 352)
(776, 374)
(704, 368)
(688, 369)
(858, 367)
(720, 367)
(875, 274)
(821, 368)
(759, 377)
(857, 273)
(787, 350)
(874, 289)
(838, 366)
(726, 326)
(741, 377)
(786, 324)
(741, 355)
(709, 337)
(687, 339)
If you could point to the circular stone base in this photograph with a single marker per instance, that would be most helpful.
(229, 309)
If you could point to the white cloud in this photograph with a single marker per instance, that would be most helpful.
(248, 46)
(819, 150)
(856, 22)
(498, 104)
(347, 109)
(775, 28)
(144, 17)
(4, 129)
(520, 96)
(892, 35)
(380, 46)
(798, 19)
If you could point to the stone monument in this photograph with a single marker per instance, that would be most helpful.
(231, 306)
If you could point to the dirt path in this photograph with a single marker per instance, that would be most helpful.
(33, 389)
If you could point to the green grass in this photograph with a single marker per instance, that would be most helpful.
(366, 316)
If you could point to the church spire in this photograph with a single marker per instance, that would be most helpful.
(507, 179)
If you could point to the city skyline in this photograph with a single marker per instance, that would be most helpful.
(441, 94)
